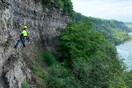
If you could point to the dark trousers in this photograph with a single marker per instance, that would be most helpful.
(20, 41)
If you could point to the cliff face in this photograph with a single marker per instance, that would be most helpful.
(42, 24)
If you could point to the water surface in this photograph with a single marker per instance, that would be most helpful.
(125, 52)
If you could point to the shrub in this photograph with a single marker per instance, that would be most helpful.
(25, 84)
(38, 70)
(48, 58)
(47, 2)
(40, 74)
(60, 77)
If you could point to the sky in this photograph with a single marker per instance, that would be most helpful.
(120, 10)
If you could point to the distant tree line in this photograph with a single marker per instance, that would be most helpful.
(114, 31)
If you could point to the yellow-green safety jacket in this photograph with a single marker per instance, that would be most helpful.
(25, 33)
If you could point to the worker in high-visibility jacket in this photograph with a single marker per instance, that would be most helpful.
(23, 37)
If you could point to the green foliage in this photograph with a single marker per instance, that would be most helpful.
(59, 3)
(38, 70)
(91, 57)
(59, 77)
(77, 17)
(65, 5)
(47, 2)
(38, 67)
(114, 31)
(128, 79)
(25, 84)
(79, 40)
(48, 58)
(98, 73)
(88, 60)
(68, 7)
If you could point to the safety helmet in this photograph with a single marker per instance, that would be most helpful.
(25, 27)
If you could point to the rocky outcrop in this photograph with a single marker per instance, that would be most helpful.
(13, 72)
(42, 23)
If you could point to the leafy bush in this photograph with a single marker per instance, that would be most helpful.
(59, 3)
(25, 84)
(128, 79)
(48, 58)
(68, 7)
(92, 58)
(40, 74)
(38, 70)
(47, 2)
(60, 77)
(80, 41)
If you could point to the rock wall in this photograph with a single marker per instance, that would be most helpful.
(42, 23)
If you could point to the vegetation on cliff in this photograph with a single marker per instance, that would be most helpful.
(86, 55)
(64, 5)
(85, 59)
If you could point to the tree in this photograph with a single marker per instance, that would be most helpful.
(91, 57)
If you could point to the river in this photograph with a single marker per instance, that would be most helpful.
(124, 51)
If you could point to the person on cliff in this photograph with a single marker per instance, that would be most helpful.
(23, 37)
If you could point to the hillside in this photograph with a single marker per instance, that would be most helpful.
(114, 31)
